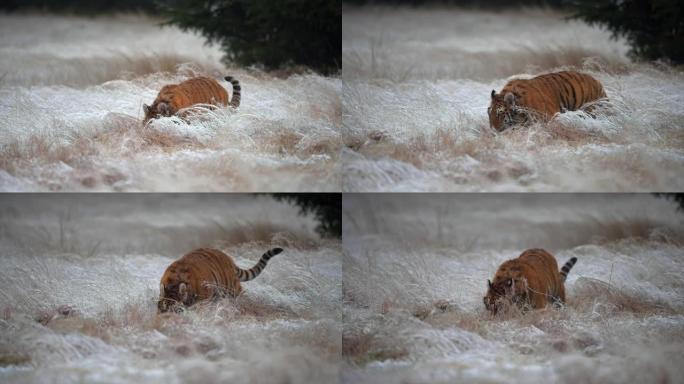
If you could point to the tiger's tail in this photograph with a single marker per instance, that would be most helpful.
(566, 268)
(235, 100)
(249, 274)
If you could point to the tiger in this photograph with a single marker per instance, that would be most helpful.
(531, 280)
(203, 274)
(521, 101)
(198, 90)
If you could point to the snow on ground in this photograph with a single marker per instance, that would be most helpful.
(71, 96)
(103, 257)
(417, 85)
(416, 269)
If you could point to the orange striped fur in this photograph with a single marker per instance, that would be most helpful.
(532, 280)
(521, 101)
(203, 274)
(198, 90)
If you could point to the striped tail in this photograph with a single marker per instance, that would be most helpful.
(235, 100)
(567, 267)
(249, 274)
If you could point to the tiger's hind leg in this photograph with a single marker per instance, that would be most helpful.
(558, 301)
(592, 108)
(214, 104)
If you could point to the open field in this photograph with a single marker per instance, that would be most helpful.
(71, 96)
(416, 270)
(417, 85)
(79, 280)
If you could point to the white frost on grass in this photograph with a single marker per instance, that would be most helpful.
(416, 269)
(104, 255)
(71, 119)
(417, 85)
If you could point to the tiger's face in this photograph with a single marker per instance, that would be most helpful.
(174, 293)
(504, 290)
(495, 293)
(503, 113)
(156, 111)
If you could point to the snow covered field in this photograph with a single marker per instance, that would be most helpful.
(415, 271)
(71, 95)
(103, 256)
(417, 85)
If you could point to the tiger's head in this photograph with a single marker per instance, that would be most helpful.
(504, 291)
(156, 110)
(503, 111)
(176, 290)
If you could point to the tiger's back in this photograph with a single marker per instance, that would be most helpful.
(533, 279)
(542, 97)
(200, 269)
(205, 273)
(198, 90)
(555, 92)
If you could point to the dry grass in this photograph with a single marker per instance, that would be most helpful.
(82, 72)
(116, 133)
(261, 233)
(479, 142)
(430, 92)
(611, 230)
(127, 133)
(424, 152)
(8, 359)
(119, 133)
(381, 144)
(16, 155)
(65, 237)
(110, 325)
(361, 350)
(383, 63)
(593, 295)
(491, 65)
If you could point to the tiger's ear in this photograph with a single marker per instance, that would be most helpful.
(489, 282)
(493, 93)
(146, 108)
(510, 99)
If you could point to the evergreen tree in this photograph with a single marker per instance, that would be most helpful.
(271, 33)
(326, 208)
(654, 28)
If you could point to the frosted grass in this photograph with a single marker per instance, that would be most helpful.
(80, 278)
(417, 85)
(71, 114)
(415, 272)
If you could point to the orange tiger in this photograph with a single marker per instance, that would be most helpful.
(198, 90)
(542, 97)
(532, 280)
(205, 273)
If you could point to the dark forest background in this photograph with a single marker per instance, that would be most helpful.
(325, 207)
(653, 28)
(271, 34)
(285, 33)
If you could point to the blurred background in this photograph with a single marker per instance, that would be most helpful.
(75, 74)
(415, 273)
(79, 281)
(418, 77)
(653, 28)
(273, 35)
